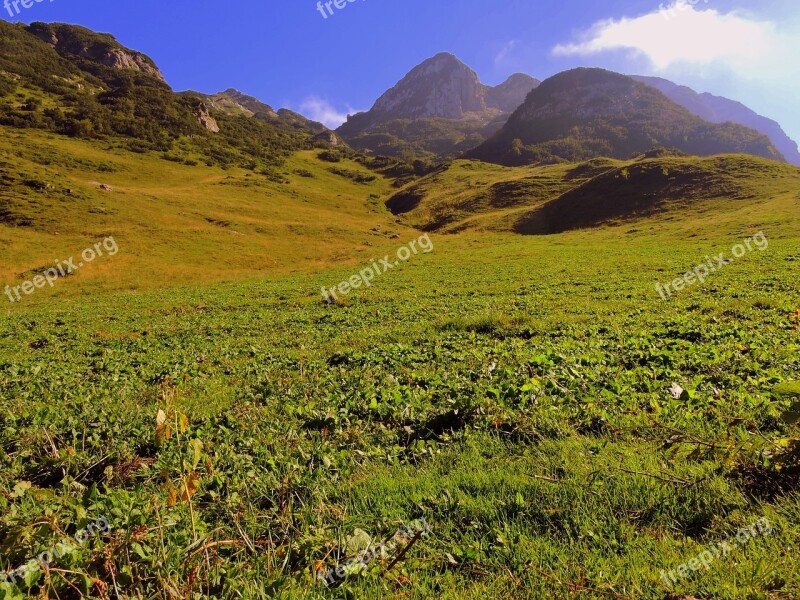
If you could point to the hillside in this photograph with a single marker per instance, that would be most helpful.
(77, 83)
(587, 113)
(717, 109)
(180, 224)
(565, 197)
(235, 103)
(440, 108)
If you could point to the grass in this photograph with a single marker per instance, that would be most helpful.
(178, 222)
(513, 390)
(474, 196)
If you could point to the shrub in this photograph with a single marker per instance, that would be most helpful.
(330, 156)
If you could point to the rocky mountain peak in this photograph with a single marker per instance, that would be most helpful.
(510, 94)
(82, 43)
(444, 87)
(441, 86)
(443, 98)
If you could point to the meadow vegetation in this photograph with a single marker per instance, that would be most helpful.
(242, 437)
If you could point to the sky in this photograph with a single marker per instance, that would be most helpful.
(289, 55)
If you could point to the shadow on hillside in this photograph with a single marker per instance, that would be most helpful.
(405, 201)
(630, 193)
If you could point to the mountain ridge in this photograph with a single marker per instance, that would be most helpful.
(443, 98)
(83, 84)
(450, 90)
(586, 113)
(718, 109)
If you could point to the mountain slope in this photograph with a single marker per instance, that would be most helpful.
(183, 224)
(440, 107)
(585, 113)
(679, 186)
(717, 109)
(472, 195)
(235, 103)
(75, 82)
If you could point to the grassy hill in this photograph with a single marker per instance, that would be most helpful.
(179, 223)
(569, 196)
(72, 81)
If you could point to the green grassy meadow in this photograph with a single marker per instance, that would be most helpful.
(242, 437)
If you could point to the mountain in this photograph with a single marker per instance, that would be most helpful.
(509, 95)
(439, 108)
(586, 113)
(717, 109)
(235, 103)
(87, 49)
(72, 81)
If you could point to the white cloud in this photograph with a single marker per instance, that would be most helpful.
(684, 33)
(503, 53)
(318, 109)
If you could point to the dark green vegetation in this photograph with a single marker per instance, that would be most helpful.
(585, 113)
(430, 138)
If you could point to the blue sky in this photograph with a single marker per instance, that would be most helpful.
(288, 55)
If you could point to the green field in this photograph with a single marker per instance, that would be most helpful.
(512, 390)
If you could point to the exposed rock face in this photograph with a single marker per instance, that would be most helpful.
(441, 108)
(717, 109)
(75, 41)
(326, 139)
(440, 87)
(206, 120)
(444, 87)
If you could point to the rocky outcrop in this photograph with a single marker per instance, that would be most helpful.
(326, 139)
(72, 41)
(206, 120)
(444, 87)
